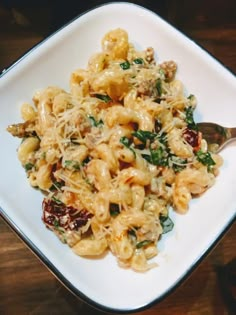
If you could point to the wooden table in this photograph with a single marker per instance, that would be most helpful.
(26, 286)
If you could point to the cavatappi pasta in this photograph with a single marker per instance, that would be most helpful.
(115, 152)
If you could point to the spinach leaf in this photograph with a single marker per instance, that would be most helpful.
(103, 97)
(59, 229)
(132, 233)
(70, 164)
(114, 209)
(189, 118)
(57, 185)
(86, 161)
(125, 65)
(56, 223)
(205, 159)
(144, 135)
(166, 223)
(56, 200)
(94, 122)
(178, 164)
(127, 143)
(28, 166)
(138, 61)
(162, 137)
(157, 156)
(147, 157)
(159, 86)
(191, 97)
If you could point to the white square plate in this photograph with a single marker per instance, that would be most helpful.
(101, 282)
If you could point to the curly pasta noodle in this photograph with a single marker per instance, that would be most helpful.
(115, 152)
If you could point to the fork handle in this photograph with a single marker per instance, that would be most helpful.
(232, 133)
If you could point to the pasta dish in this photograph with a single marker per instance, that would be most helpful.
(115, 153)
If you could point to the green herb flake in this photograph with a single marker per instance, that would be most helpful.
(59, 202)
(147, 157)
(28, 166)
(57, 227)
(72, 165)
(166, 223)
(162, 138)
(87, 181)
(162, 73)
(74, 141)
(94, 122)
(144, 135)
(191, 97)
(159, 86)
(76, 166)
(103, 97)
(138, 61)
(56, 185)
(114, 209)
(157, 157)
(143, 243)
(189, 118)
(178, 164)
(132, 233)
(56, 224)
(68, 163)
(178, 168)
(205, 159)
(125, 65)
(127, 143)
(86, 161)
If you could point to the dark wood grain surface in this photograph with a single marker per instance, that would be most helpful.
(26, 285)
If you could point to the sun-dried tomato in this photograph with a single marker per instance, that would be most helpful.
(66, 217)
(193, 137)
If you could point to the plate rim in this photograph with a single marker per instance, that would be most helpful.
(34, 248)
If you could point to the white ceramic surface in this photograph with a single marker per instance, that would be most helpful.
(102, 282)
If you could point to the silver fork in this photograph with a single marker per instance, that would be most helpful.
(216, 135)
